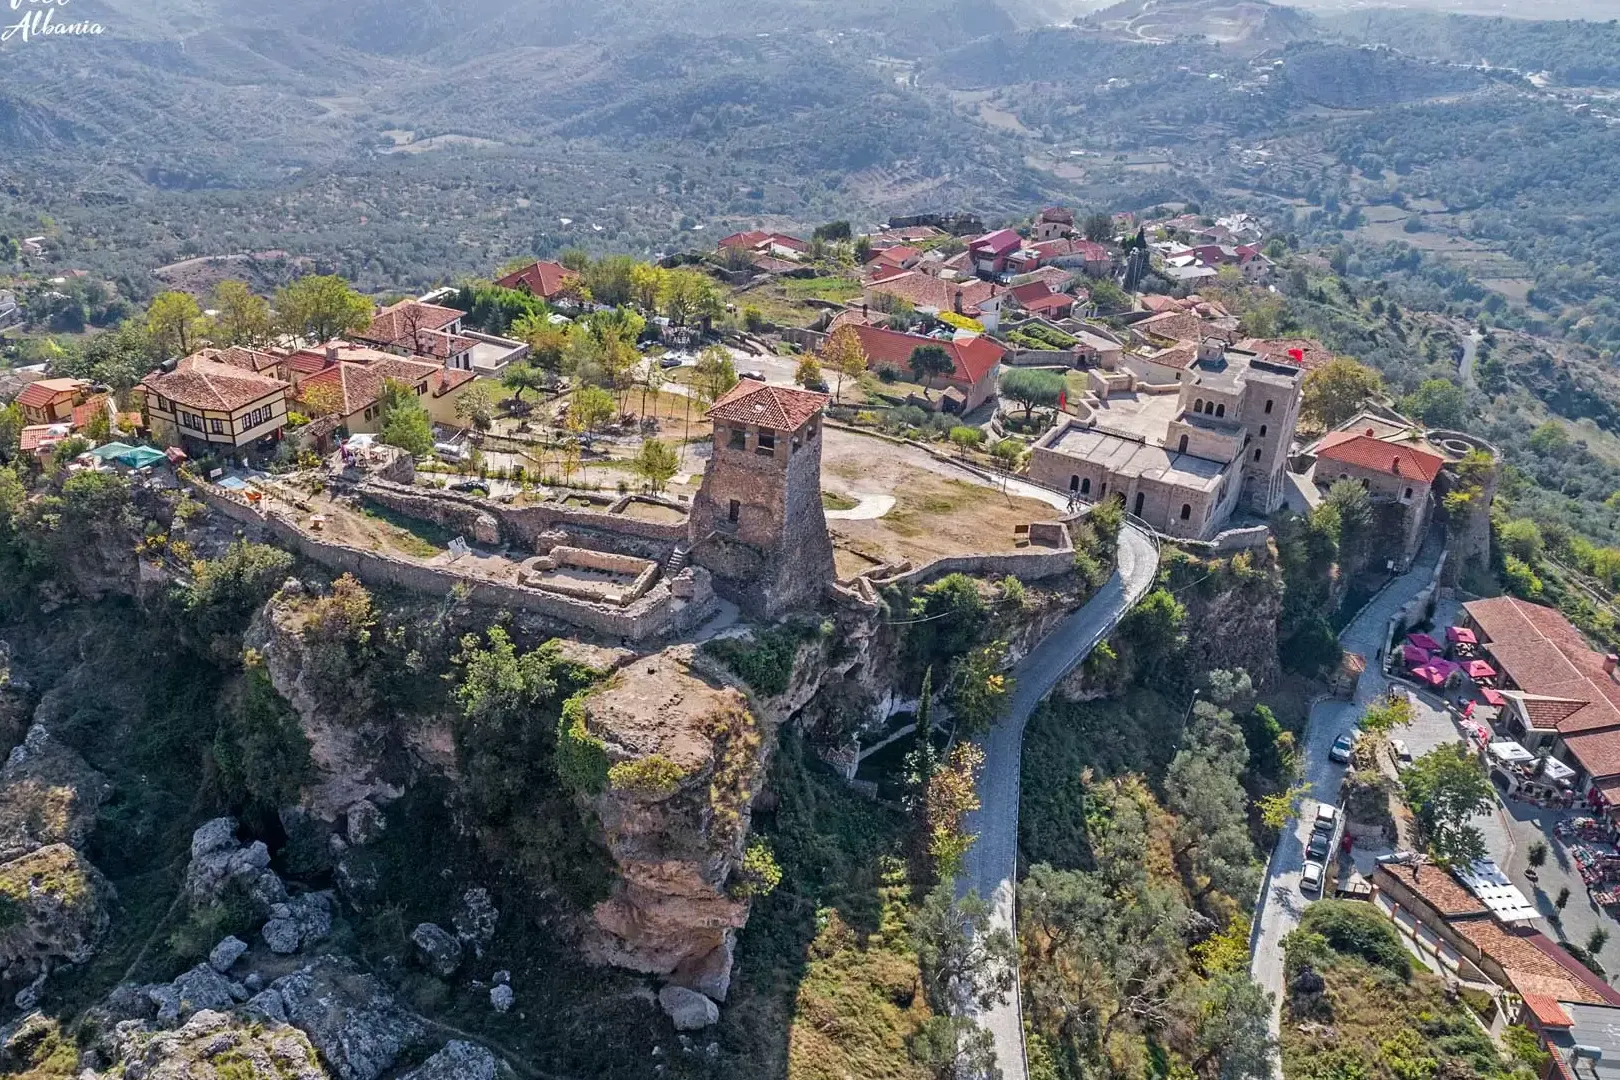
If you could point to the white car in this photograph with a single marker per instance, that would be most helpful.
(1327, 818)
(1403, 754)
(1310, 877)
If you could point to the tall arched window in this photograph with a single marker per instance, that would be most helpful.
(1268, 405)
(1262, 431)
(1085, 486)
(1198, 406)
(1181, 447)
(1140, 499)
(1257, 452)
(1074, 483)
(1186, 511)
(1220, 410)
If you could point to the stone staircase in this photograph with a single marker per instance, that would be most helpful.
(678, 560)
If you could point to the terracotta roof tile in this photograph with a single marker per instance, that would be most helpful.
(975, 358)
(1598, 752)
(926, 291)
(398, 326)
(1392, 459)
(199, 383)
(543, 279)
(1534, 964)
(255, 360)
(1277, 350)
(362, 384)
(780, 408)
(1546, 656)
(1175, 325)
(448, 379)
(42, 392)
(1547, 1011)
(1435, 887)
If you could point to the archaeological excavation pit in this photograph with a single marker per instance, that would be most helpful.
(598, 576)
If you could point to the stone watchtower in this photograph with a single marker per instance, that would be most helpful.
(757, 522)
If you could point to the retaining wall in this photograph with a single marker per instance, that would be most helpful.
(1025, 565)
(523, 525)
(654, 614)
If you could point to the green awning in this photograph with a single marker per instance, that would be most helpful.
(110, 451)
(139, 457)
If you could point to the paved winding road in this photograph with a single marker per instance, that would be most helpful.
(991, 867)
(1281, 902)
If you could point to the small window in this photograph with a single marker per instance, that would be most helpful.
(1408, 493)
(738, 440)
(765, 443)
(1268, 405)
(1181, 447)
(1141, 497)
(1198, 406)
(734, 511)
(810, 432)
(1186, 511)
(1074, 483)
(1257, 452)
(1366, 484)
(1085, 486)
(1262, 431)
(1220, 410)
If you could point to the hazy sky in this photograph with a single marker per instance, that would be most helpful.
(1529, 9)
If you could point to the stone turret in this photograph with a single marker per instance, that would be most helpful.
(757, 522)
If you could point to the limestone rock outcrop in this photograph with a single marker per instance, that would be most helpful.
(457, 1061)
(349, 1016)
(55, 906)
(685, 758)
(48, 795)
(209, 1040)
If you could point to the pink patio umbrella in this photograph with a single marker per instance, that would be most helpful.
(1479, 669)
(1413, 656)
(1492, 697)
(1446, 668)
(1430, 674)
(1424, 641)
(1461, 635)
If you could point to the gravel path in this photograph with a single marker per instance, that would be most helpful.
(991, 866)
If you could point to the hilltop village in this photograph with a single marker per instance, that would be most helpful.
(577, 583)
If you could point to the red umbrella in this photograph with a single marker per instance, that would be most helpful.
(1424, 641)
(1461, 635)
(1492, 697)
(1479, 669)
(1414, 656)
(1468, 710)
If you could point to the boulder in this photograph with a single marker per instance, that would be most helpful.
(689, 1010)
(485, 529)
(202, 988)
(254, 1050)
(220, 862)
(268, 1004)
(226, 953)
(364, 823)
(457, 1061)
(57, 912)
(281, 935)
(440, 953)
(349, 1016)
(709, 974)
(475, 919)
(501, 997)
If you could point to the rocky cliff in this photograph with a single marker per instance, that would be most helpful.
(684, 759)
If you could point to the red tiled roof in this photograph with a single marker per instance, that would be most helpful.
(1032, 290)
(1392, 459)
(1161, 304)
(1547, 714)
(42, 392)
(400, 325)
(750, 239)
(898, 255)
(1091, 250)
(1546, 656)
(83, 414)
(199, 383)
(1050, 302)
(448, 379)
(1058, 214)
(1435, 887)
(543, 279)
(255, 360)
(1277, 350)
(1175, 325)
(1051, 249)
(975, 358)
(1534, 964)
(792, 243)
(34, 436)
(999, 242)
(362, 384)
(1598, 752)
(1547, 1011)
(927, 291)
(780, 408)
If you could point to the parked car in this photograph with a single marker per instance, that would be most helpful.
(1327, 818)
(1403, 754)
(671, 360)
(450, 452)
(1319, 846)
(757, 376)
(1342, 747)
(1310, 877)
(471, 487)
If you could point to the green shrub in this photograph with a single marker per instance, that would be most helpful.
(765, 661)
(1359, 930)
(758, 874)
(651, 777)
(582, 763)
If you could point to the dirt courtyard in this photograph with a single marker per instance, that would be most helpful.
(938, 509)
